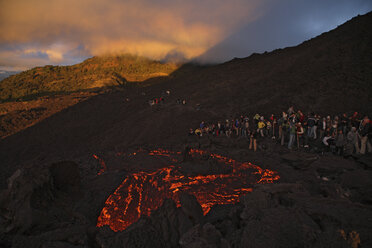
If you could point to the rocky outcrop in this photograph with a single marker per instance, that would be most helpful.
(37, 207)
(163, 228)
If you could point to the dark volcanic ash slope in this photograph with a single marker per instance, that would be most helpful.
(328, 74)
(319, 202)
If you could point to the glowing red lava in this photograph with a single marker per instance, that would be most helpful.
(142, 192)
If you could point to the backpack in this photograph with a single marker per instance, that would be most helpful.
(310, 122)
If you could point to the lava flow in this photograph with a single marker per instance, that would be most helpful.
(142, 192)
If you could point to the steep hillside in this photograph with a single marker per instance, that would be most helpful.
(329, 74)
(92, 73)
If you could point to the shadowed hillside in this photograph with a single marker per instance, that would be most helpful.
(72, 161)
(92, 73)
(328, 74)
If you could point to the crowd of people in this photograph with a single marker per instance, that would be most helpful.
(342, 135)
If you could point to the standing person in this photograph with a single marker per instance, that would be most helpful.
(340, 142)
(256, 118)
(317, 121)
(328, 122)
(253, 140)
(328, 141)
(299, 132)
(280, 126)
(344, 123)
(261, 125)
(285, 131)
(246, 127)
(300, 116)
(335, 125)
(227, 128)
(202, 125)
(323, 127)
(236, 127)
(363, 135)
(293, 118)
(351, 140)
(352, 136)
(292, 134)
(218, 128)
(354, 119)
(268, 128)
(274, 124)
(311, 127)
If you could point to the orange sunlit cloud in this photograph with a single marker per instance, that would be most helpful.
(54, 31)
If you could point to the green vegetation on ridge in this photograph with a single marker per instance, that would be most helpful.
(92, 73)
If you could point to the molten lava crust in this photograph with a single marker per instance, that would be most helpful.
(142, 192)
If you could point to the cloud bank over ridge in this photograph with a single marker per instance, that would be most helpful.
(63, 32)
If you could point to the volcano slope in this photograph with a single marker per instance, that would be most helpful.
(54, 196)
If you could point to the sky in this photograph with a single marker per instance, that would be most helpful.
(63, 32)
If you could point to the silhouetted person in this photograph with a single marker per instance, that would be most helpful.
(253, 141)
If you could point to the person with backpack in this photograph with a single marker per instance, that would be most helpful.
(311, 127)
(261, 125)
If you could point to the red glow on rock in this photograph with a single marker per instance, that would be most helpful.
(142, 192)
(102, 163)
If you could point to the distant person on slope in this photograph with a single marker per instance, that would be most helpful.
(285, 131)
(351, 142)
(311, 127)
(340, 142)
(299, 132)
(292, 135)
(261, 125)
(253, 141)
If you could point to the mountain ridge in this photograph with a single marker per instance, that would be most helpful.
(95, 72)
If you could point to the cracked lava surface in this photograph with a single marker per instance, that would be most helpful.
(142, 192)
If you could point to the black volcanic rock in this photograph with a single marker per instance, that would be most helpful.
(191, 208)
(37, 196)
(203, 236)
(162, 229)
